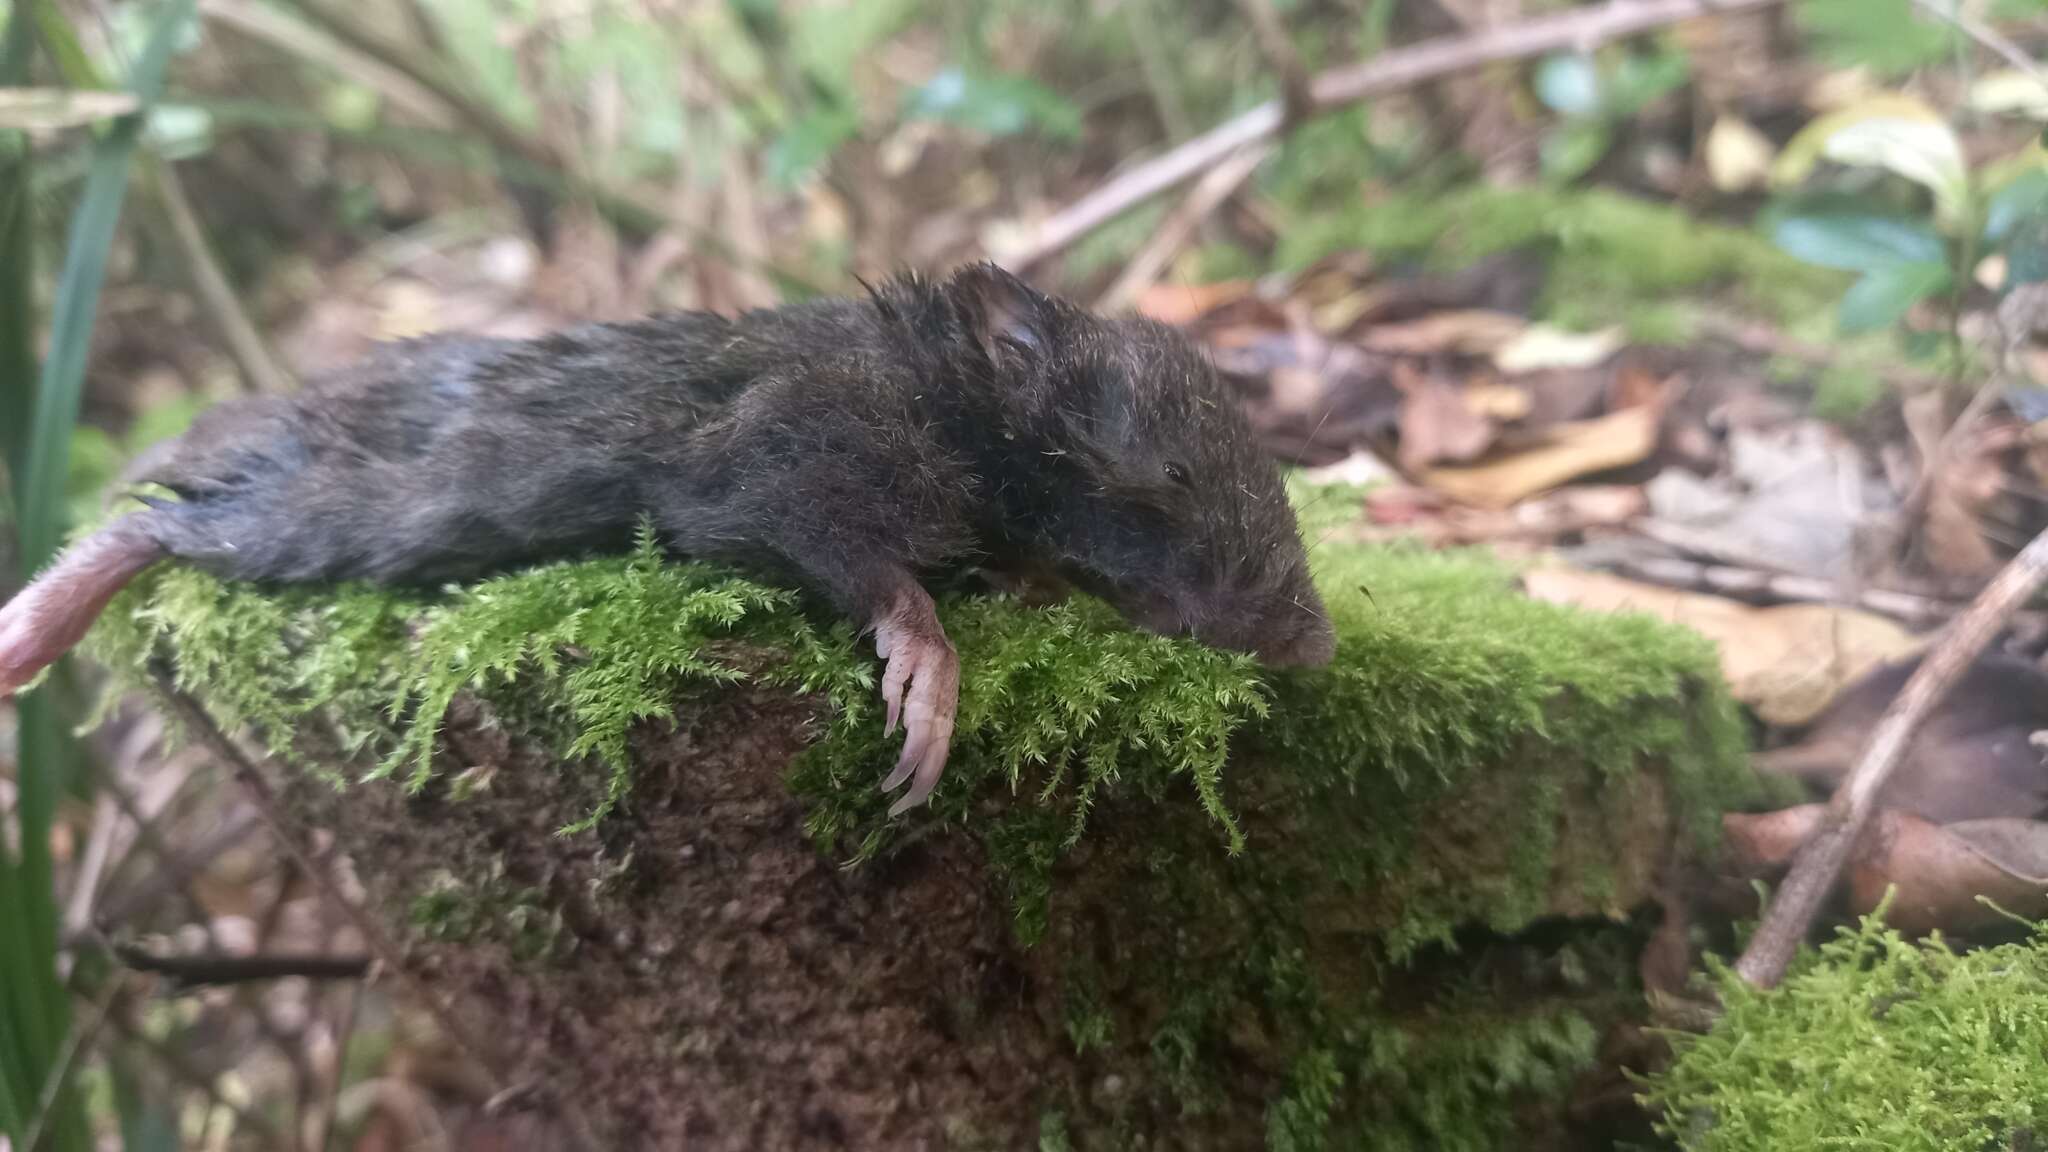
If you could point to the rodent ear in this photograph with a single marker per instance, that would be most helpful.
(1005, 315)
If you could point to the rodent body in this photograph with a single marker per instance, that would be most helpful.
(858, 447)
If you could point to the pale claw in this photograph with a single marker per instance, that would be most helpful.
(921, 687)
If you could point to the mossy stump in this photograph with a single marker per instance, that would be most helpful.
(1162, 900)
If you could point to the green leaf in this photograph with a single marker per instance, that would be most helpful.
(1888, 37)
(1642, 77)
(994, 103)
(2023, 198)
(1571, 151)
(810, 141)
(1882, 298)
(1569, 84)
(2026, 252)
(827, 40)
(1857, 242)
(1925, 152)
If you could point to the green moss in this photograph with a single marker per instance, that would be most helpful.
(459, 909)
(1873, 1042)
(1471, 758)
(1611, 255)
(1443, 674)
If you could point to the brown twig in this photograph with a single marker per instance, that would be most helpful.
(1820, 860)
(1985, 35)
(200, 971)
(260, 370)
(1578, 28)
(1297, 99)
(182, 1068)
(1782, 587)
(329, 34)
(281, 30)
(78, 1042)
(1210, 191)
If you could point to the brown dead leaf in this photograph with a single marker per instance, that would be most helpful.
(1418, 513)
(1786, 662)
(1503, 402)
(1183, 304)
(1465, 332)
(1436, 421)
(1972, 759)
(1541, 348)
(1938, 877)
(1960, 484)
(1567, 451)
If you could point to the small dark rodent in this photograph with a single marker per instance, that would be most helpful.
(856, 447)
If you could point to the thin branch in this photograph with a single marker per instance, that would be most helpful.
(324, 1116)
(1156, 72)
(281, 30)
(124, 904)
(1297, 99)
(1984, 34)
(1820, 861)
(1209, 192)
(260, 370)
(78, 1042)
(1727, 580)
(416, 78)
(200, 971)
(183, 1069)
(1390, 71)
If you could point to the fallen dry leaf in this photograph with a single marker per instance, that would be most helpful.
(1786, 662)
(1418, 513)
(1738, 156)
(1540, 347)
(1789, 501)
(1498, 401)
(1466, 331)
(1359, 470)
(1567, 451)
(1938, 877)
(1972, 759)
(1181, 304)
(1960, 484)
(1437, 422)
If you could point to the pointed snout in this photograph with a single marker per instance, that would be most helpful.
(1288, 632)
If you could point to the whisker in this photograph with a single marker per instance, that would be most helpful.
(1325, 536)
(1329, 406)
(1296, 600)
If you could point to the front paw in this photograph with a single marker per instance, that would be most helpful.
(921, 688)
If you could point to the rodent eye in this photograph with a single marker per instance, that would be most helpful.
(1177, 472)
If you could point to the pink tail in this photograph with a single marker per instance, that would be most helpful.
(53, 613)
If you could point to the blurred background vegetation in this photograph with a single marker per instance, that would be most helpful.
(204, 198)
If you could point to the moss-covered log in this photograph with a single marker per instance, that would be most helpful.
(631, 827)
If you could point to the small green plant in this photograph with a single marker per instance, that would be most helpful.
(1596, 95)
(1882, 189)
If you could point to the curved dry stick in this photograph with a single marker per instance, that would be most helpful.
(1579, 28)
(1820, 860)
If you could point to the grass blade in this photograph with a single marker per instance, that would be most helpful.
(38, 1012)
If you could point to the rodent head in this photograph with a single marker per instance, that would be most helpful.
(1143, 481)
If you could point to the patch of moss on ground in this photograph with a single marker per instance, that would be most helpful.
(1873, 1042)
(1612, 256)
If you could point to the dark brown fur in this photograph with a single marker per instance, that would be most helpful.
(857, 447)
